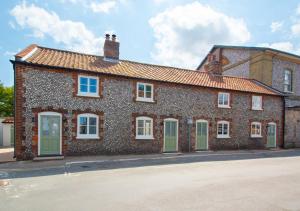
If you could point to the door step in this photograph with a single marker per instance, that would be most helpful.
(49, 158)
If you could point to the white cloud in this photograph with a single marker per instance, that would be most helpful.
(276, 26)
(298, 10)
(73, 35)
(296, 29)
(103, 7)
(283, 46)
(184, 34)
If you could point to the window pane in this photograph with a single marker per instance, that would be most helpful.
(225, 127)
(252, 129)
(148, 127)
(83, 130)
(83, 120)
(141, 90)
(93, 82)
(148, 88)
(93, 89)
(220, 99)
(140, 131)
(225, 99)
(92, 130)
(93, 121)
(83, 88)
(83, 81)
(140, 123)
(220, 129)
(148, 95)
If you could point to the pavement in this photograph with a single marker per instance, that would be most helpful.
(6, 154)
(224, 180)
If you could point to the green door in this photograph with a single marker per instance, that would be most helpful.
(271, 135)
(50, 129)
(202, 128)
(170, 135)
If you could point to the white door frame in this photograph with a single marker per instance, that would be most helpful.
(174, 120)
(273, 123)
(49, 113)
(202, 120)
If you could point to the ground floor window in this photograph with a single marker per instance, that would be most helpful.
(255, 129)
(144, 128)
(87, 126)
(223, 129)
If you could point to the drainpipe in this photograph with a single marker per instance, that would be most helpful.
(14, 67)
(283, 122)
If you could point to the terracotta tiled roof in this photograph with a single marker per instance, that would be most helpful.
(8, 120)
(26, 51)
(93, 63)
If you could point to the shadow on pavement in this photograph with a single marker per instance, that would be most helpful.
(77, 167)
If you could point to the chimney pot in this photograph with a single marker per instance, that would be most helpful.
(107, 36)
(114, 37)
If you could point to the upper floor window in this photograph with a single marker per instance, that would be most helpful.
(88, 86)
(223, 100)
(223, 129)
(144, 92)
(256, 102)
(287, 83)
(144, 128)
(87, 126)
(255, 129)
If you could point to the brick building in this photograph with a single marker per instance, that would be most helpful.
(71, 103)
(278, 69)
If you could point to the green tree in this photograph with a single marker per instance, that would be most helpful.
(6, 100)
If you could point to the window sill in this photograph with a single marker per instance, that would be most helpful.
(219, 106)
(256, 136)
(287, 92)
(220, 137)
(145, 100)
(87, 137)
(87, 95)
(144, 138)
(256, 109)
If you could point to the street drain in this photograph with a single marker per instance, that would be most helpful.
(85, 166)
(4, 183)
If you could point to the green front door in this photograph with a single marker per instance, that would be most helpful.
(202, 128)
(49, 131)
(271, 135)
(170, 135)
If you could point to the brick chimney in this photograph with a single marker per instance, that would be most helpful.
(213, 66)
(111, 48)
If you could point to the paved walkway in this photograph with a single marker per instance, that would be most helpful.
(6, 154)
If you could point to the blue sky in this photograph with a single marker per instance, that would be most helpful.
(169, 32)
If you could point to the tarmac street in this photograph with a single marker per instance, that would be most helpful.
(271, 183)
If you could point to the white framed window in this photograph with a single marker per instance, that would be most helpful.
(223, 100)
(223, 129)
(144, 92)
(88, 86)
(87, 126)
(256, 129)
(287, 83)
(256, 102)
(144, 128)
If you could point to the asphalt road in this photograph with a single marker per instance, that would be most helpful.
(269, 182)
